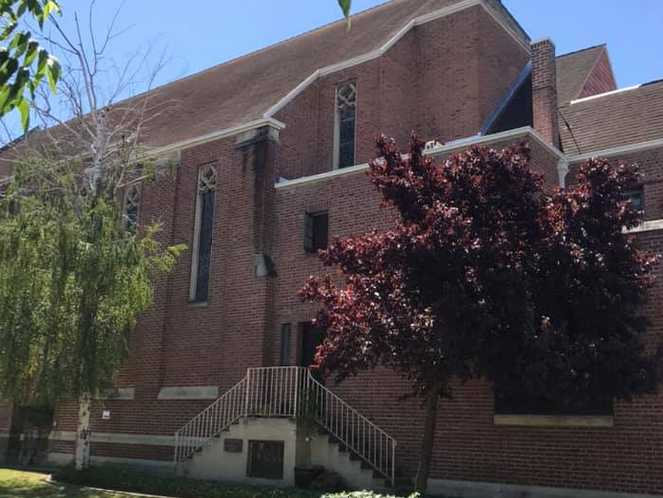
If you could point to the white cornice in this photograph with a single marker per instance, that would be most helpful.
(647, 226)
(216, 135)
(374, 54)
(524, 132)
(618, 151)
(307, 180)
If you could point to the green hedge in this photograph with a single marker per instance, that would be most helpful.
(119, 478)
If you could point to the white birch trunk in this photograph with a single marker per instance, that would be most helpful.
(82, 455)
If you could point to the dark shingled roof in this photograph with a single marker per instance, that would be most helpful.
(242, 90)
(573, 69)
(613, 119)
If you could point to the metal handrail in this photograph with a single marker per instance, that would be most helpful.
(290, 392)
(352, 429)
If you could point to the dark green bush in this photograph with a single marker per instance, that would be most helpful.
(119, 478)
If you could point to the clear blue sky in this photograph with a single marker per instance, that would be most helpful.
(201, 33)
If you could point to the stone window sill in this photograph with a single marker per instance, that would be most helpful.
(591, 421)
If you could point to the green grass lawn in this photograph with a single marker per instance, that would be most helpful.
(17, 484)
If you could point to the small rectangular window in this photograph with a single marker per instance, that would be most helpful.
(203, 235)
(265, 459)
(345, 125)
(636, 197)
(509, 403)
(286, 334)
(316, 231)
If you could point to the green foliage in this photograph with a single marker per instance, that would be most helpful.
(121, 478)
(73, 281)
(346, 5)
(14, 484)
(23, 63)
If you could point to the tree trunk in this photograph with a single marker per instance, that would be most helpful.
(83, 433)
(426, 454)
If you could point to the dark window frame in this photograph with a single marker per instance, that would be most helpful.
(203, 235)
(316, 231)
(345, 126)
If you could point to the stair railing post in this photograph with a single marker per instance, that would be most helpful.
(248, 389)
(297, 392)
(393, 463)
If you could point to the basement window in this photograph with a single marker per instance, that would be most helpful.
(514, 403)
(203, 233)
(265, 460)
(636, 197)
(316, 231)
(345, 125)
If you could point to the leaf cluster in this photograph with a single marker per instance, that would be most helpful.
(486, 274)
(73, 282)
(24, 65)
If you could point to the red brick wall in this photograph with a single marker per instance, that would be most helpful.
(442, 79)
(6, 409)
(601, 79)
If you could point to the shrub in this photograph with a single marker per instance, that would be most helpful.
(119, 478)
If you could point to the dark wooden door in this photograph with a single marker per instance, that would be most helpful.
(311, 338)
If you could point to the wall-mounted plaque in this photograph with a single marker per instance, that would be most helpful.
(233, 445)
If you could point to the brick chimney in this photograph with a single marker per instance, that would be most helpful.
(544, 90)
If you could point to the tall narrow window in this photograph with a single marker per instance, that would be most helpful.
(202, 239)
(285, 344)
(132, 208)
(344, 130)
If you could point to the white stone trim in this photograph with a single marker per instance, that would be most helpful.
(216, 135)
(63, 459)
(305, 180)
(195, 392)
(618, 151)
(474, 489)
(117, 438)
(463, 143)
(562, 171)
(605, 94)
(121, 394)
(369, 56)
(647, 226)
(591, 421)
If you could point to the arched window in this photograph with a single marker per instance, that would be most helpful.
(202, 237)
(132, 207)
(345, 127)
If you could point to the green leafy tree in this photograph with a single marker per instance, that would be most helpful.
(24, 65)
(75, 273)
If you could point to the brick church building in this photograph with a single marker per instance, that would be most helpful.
(271, 151)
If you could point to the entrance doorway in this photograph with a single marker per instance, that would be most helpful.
(310, 338)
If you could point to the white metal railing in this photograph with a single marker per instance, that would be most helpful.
(290, 392)
(200, 430)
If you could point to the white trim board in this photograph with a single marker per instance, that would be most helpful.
(217, 135)
(194, 392)
(117, 438)
(647, 226)
(524, 132)
(618, 151)
(374, 54)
